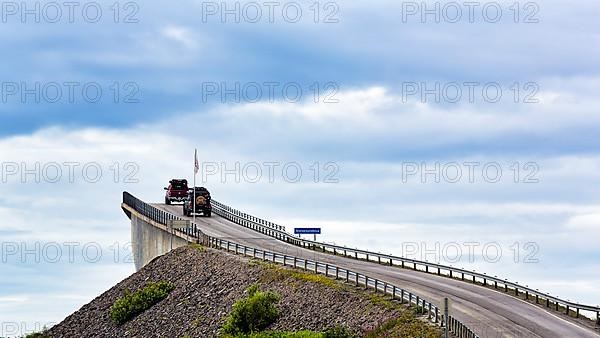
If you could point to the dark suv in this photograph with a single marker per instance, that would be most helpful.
(176, 191)
(202, 202)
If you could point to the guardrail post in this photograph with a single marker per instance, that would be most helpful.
(526, 295)
(273, 256)
(236, 248)
(505, 287)
(547, 302)
(517, 291)
(417, 305)
(347, 276)
(427, 268)
(284, 259)
(598, 317)
(462, 276)
(316, 267)
(366, 282)
(436, 314)
(429, 312)
(376, 280)
(295, 261)
(438, 271)
(567, 312)
(577, 313)
(305, 264)
(495, 284)
(264, 258)
(401, 296)
(446, 315)
(556, 305)
(393, 292)
(326, 270)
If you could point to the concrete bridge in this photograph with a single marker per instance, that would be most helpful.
(488, 311)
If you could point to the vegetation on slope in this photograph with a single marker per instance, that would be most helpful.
(132, 304)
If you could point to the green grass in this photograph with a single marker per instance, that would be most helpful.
(197, 246)
(334, 332)
(274, 272)
(132, 304)
(406, 325)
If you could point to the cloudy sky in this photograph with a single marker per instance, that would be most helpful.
(390, 130)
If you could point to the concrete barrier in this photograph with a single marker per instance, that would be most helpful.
(150, 239)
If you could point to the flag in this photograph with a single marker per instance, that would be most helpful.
(196, 165)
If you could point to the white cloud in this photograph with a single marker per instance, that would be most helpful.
(181, 35)
(585, 222)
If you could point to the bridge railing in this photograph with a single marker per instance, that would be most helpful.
(277, 231)
(423, 306)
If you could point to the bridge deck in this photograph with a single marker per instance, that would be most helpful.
(488, 312)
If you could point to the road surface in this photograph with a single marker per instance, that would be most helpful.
(487, 312)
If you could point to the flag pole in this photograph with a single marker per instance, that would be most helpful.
(195, 170)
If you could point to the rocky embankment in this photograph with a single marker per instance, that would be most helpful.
(207, 284)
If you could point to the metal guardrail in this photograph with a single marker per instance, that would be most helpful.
(432, 311)
(273, 230)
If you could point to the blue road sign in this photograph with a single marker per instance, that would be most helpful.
(307, 231)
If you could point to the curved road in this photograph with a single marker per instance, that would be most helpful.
(487, 312)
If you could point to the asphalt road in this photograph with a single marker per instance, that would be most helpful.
(487, 312)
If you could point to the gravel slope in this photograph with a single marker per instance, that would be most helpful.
(207, 283)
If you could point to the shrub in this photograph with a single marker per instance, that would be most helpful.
(35, 335)
(253, 313)
(283, 334)
(132, 304)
